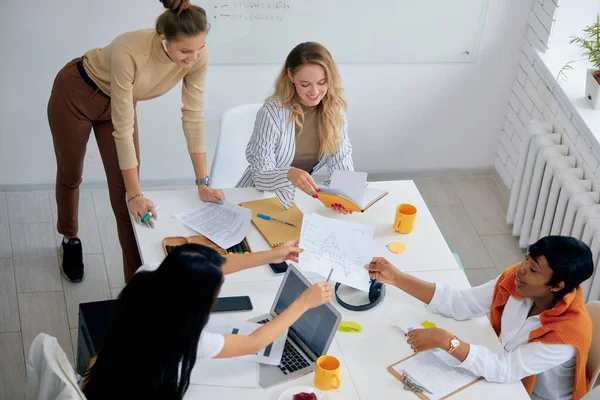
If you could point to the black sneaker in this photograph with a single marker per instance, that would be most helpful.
(71, 260)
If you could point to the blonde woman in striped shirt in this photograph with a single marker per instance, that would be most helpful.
(301, 128)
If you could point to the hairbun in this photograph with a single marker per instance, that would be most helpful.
(176, 6)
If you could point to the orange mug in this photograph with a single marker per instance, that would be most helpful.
(327, 373)
(404, 222)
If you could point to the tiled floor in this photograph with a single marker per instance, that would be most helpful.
(34, 298)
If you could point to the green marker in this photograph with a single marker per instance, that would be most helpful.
(148, 216)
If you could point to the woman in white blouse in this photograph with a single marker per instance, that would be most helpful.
(301, 128)
(536, 308)
(157, 332)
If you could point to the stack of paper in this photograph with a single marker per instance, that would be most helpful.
(226, 225)
(226, 372)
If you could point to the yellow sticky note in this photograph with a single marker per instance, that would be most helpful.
(396, 247)
(427, 324)
(349, 326)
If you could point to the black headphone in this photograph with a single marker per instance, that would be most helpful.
(376, 295)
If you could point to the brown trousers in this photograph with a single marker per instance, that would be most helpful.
(73, 110)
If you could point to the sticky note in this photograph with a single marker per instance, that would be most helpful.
(427, 324)
(396, 247)
(349, 326)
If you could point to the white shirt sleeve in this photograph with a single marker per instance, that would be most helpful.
(261, 154)
(210, 345)
(462, 304)
(530, 359)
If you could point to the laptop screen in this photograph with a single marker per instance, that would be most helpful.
(315, 326)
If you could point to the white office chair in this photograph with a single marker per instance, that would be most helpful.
(593, 362)
(50, 375)
(593, 394)
(229, 162)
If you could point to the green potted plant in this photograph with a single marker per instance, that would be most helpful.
(590, 43)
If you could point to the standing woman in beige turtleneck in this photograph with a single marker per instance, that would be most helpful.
(100, 91)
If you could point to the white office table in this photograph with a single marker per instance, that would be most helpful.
(381, 343)
(426, 248)
(366, 355)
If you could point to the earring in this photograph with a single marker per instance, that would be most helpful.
(293, 84)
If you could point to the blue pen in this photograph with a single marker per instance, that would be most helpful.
(268, 218)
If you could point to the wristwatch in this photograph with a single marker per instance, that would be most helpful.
(204, 181)
(454, 343)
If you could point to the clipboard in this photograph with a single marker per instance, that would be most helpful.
(275, 233)
(416, 388)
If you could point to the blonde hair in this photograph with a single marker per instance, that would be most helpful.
(330, 108)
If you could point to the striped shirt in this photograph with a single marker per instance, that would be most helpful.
(271, 151)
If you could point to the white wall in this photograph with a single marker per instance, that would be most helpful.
(402, 118)
(536, 94)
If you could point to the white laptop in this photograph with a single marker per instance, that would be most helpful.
(308, 338)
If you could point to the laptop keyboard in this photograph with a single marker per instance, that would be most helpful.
(291, 360)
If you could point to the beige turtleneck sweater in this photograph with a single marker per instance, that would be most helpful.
(135, 67)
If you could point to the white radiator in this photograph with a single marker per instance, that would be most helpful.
(550, 196)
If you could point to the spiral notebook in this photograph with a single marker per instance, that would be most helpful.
(275, 233)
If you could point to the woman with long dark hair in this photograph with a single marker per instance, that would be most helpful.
(158, 329)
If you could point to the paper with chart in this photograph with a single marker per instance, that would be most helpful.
(345, 247)
(435, 371)
(269, 355)
(226, 225)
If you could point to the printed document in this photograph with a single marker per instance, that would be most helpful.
(226, 225)
(432, 371)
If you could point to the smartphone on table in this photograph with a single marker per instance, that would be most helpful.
(279, 268)
(234, 303)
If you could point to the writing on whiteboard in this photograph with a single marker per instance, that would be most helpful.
(253, 11)
(278, 5)
(253, 17)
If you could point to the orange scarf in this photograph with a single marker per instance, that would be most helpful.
(566, 323)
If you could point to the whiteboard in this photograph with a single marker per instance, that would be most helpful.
(354, 31)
